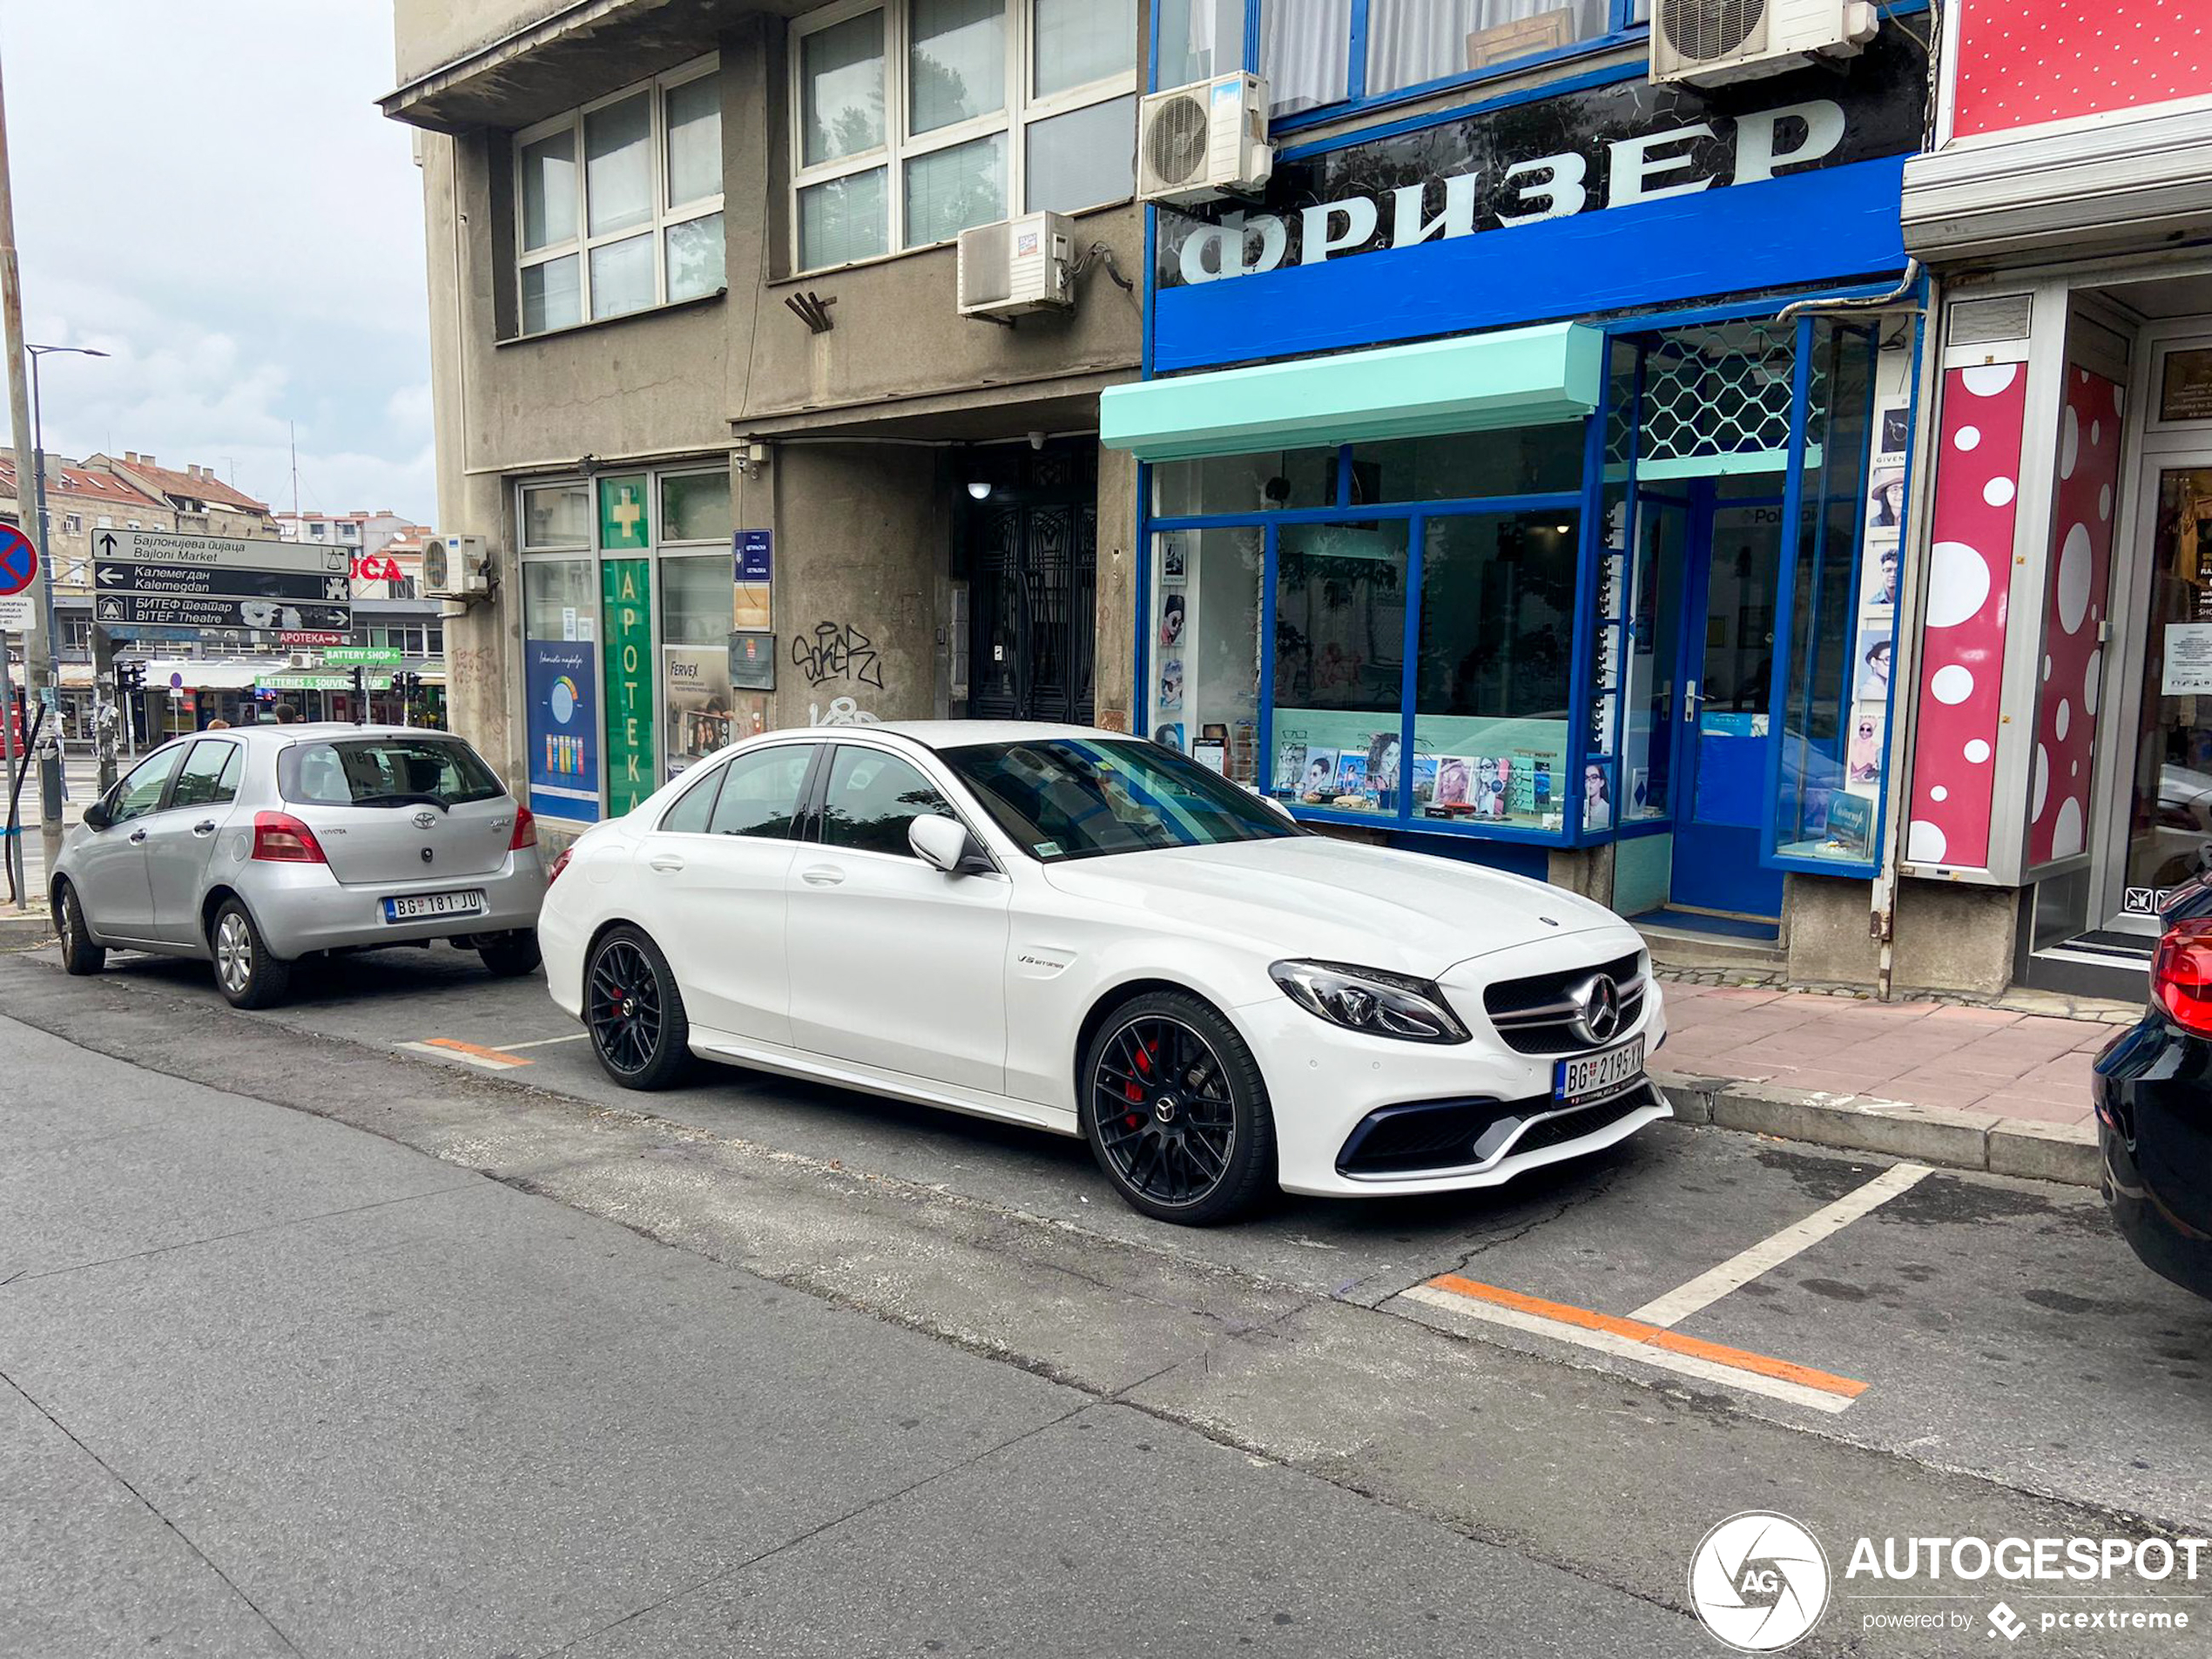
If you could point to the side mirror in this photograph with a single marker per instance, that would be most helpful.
(944, 844)
(97, 817)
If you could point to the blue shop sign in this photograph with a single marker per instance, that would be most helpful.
(1618, 198)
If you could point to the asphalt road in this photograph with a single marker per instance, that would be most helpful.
(317, 1341)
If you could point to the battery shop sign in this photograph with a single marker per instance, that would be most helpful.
(1575, 164)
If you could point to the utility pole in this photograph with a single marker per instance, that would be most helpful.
(38, 644)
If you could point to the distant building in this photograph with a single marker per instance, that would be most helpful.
(203, 503)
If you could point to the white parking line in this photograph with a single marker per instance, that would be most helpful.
(1768, 1253)
(543, 1042)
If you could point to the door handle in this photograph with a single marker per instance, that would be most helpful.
(1691, 701)
(667, 863)
(206, 826)
(822, 875)
(136, 836)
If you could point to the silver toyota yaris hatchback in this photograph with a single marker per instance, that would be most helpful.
(254, 848)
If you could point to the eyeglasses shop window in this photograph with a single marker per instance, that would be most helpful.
(914, 121)
(619, 203)
(1322, 711)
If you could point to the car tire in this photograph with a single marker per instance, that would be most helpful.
(512, 955)
(1176, 1111)
(79, 955)
(634, 1011)
(247, 975)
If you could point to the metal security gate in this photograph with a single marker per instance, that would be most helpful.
(1034, 567)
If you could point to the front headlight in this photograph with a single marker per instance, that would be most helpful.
(1369, 999)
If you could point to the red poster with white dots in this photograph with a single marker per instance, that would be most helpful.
(2022, 63)
(1970, 583)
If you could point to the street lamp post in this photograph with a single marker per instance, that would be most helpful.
(46, 535)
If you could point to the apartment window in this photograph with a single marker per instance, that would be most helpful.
(620, 203)
(1319, 53)
(916, 119)
(72, 523)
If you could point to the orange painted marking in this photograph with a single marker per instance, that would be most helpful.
(1656, 1336)
(491, 1055)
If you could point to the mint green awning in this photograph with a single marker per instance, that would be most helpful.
(1516, 377)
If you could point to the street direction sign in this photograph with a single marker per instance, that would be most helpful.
(309, 637)
(198, 611)
(172, 547)
(220, 581)
(367, 656)
(123, 635)
(18, 560)
(166, 579)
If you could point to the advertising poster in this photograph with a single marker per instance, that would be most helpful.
(561, 681)
(699, 702)
(627, 651)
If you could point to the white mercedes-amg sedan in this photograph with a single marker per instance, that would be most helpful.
(1094, 935)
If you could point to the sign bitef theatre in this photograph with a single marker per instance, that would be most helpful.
(160, 579)
(1604, 199)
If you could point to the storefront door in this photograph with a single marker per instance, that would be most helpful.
(1723, 729)
(2166, 837)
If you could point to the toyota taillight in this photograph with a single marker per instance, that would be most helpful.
(559, 865)
(525, 830)
(2180, 977)
(281, 838)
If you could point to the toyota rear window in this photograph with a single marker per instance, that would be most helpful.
(385, 771)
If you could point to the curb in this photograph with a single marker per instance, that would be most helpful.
(1955, 1139)
(23, 932)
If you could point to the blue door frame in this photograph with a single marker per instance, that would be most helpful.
(1719, 756)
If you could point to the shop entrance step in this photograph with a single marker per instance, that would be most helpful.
(1692, 939)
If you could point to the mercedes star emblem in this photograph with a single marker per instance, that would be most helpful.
(1597, 1000)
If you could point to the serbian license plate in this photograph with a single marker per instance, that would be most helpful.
(417, 906)
(1598, 1074)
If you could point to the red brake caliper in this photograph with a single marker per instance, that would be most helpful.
(1134, 1092)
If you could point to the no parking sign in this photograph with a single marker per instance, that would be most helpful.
(18, 569)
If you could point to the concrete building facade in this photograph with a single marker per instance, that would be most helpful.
(701, 384)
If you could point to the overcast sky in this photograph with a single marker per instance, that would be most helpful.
(205, 189)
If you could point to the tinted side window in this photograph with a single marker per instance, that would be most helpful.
(694, 807)
(209, 776)
(873, 797)
(140, 792)
(760, 792)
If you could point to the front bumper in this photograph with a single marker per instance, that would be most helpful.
(1325, 1082)
(2153, 1102)
(301, 908)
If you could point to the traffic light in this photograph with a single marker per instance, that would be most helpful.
(130, 677)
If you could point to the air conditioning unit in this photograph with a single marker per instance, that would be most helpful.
(1016, 265)
(1710, 43)
(456, 567)
(1205, 140)
(299, 659)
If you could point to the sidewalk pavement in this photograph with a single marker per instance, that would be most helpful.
(1977, 1088)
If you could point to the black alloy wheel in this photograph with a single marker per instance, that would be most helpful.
(635, 1013)
(1176, 1114)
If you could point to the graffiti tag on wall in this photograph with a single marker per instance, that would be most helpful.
(836, 651)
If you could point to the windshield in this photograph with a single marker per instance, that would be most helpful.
(385, 771)
(1076, 797)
